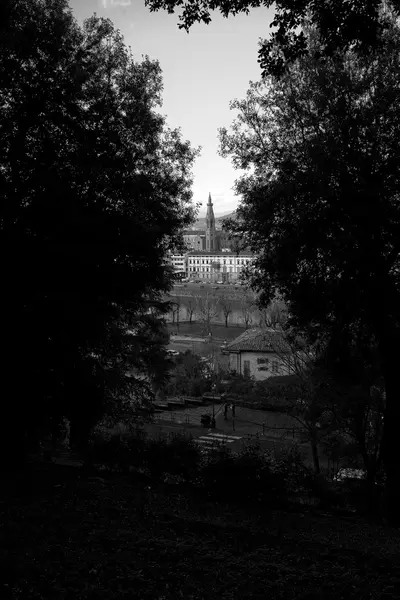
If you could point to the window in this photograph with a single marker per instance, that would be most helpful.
(246, 368)
(263, 364)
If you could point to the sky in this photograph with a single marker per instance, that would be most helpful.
(202, 72)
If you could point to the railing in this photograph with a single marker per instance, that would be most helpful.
(177, 418)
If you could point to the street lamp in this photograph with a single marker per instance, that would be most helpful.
(213, 387)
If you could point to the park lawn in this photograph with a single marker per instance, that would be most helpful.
(79, 537)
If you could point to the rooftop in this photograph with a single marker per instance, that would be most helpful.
(224, 254)
(259, 340)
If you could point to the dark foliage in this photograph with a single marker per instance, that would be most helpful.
(94, 189)
(320, 208)
(342, 24)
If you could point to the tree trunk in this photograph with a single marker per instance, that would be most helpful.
(390, 445)
(314, 450)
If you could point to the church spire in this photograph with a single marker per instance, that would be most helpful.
(210, 226)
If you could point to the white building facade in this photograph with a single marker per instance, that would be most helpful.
(217, 265)
(179, 263)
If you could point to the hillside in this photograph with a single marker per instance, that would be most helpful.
(201, 223)
(118, 538)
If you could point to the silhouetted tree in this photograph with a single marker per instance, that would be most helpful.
(95, 190)
(190, 309)
(320, 208)
(246, 306)
(226, 305)
(342, 24)
(207, 310)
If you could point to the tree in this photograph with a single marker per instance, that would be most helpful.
(320, 207)
(175, 310)
(236, 245)
(246, 307)
(301, 393)
(226, 305)
(342, 24)
(190, 309)
(358, 401)
(216, 267)
(95, 190)
(274, 315)
(189, 376)
(207, 310)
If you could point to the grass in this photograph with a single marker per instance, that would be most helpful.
(78, 537)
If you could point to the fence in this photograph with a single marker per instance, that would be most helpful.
(195, 420)
(177, 418)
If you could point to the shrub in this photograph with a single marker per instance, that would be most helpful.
(289, 465)
(119, 448)
(183, 457)
(245, 478)
(156, 457)
(329, 495)
(104, 449)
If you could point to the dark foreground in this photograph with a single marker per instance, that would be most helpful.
(73, 536)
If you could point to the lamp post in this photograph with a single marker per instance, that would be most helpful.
(213, 417)
(213, 392)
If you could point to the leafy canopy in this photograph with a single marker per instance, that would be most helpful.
(95, 189)
(320, 191)
(320, 206)
(342, 24)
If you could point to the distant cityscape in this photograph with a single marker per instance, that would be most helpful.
(210, 255)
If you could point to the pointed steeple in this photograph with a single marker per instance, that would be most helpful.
(210, 219)
(210, 226)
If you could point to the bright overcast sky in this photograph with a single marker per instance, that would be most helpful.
(202, 72)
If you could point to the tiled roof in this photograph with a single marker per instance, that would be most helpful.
(259, 340)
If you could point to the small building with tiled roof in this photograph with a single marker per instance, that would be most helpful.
(260, 353)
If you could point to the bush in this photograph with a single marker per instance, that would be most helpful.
(117, 449)
(183, 457)
(289, 466)
(244, 479)
(156, 457)
(178, 456)
(329, 495)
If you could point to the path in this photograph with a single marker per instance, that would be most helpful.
(247, 421)
(277, 434)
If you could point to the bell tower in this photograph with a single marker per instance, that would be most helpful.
(210, 226)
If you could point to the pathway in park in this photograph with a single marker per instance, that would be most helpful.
(271, 430)
(247, 421)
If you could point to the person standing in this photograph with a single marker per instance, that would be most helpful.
(233, 407)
